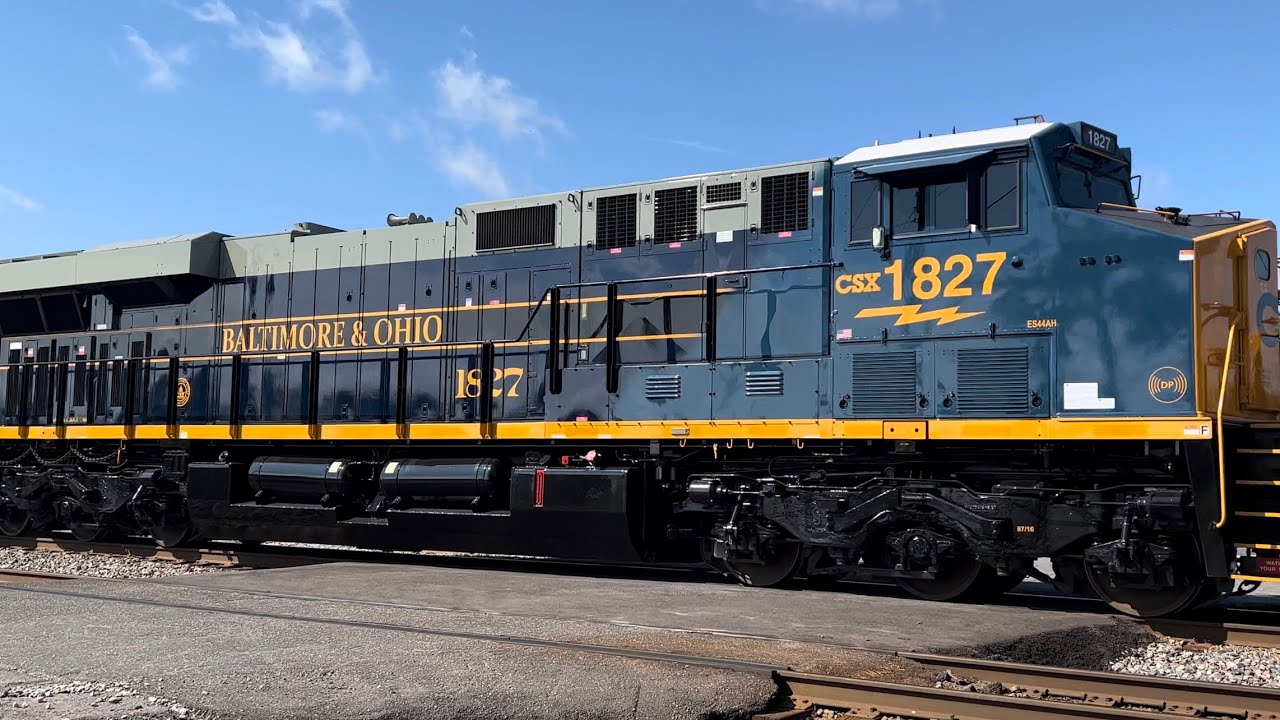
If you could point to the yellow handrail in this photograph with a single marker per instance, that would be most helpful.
(1222, 463)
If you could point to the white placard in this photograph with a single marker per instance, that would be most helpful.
(1084, 396)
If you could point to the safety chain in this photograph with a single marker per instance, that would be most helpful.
(15, 461)
(114, 454)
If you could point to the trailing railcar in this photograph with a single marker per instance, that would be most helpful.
(931, 361)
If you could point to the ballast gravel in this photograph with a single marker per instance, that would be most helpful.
(95, 565)
(1182, 660)
(84, 699)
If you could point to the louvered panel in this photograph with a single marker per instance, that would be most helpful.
(662, 387)
(675, 214)
(764, 382)
(784, 203)
(884, 384)
(616, 221)
(516, 227)
(724, 192)
(993, 381)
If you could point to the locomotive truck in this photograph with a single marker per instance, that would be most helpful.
(932, 362)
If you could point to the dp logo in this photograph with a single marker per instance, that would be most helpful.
(1167, 384)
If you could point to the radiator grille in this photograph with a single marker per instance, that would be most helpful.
(675, 214)
(616, 221)
(724, 192)
(993, 381)
(764, 382)
(662, 387)
(784, 203)
(884, 384)
(516, 228)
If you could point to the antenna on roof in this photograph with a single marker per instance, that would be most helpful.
(953, 129)
(1033, 118)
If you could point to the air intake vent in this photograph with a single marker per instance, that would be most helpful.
(662, 387)
(784, 203)
(675, 214)
(616, 221)
(516, 228)
(884, 384)
(993, 381)
(724, 192)
(764, 382)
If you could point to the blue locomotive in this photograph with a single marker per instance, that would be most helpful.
(932, 361)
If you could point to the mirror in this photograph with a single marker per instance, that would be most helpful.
(1136, 182)
(877, 237)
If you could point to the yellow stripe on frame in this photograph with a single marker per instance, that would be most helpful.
(708, 430)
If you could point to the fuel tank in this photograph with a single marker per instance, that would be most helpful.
(327, 481)
(480, 483)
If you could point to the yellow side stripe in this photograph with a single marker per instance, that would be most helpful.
(1257, 482)
(1258, 451)
(1258, 546)
(1250, 513)
(798, 429)
(1256, 578)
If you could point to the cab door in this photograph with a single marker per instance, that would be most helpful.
(1259, 331)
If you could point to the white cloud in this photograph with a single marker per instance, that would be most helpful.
(334, 120)
(466, 164)
(17, 199)
(691, 144)
(869, 9)
(160, 65)
(471, 96)
(303, 61)
(214, 12)
(395, 130)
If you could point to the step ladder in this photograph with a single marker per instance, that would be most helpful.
(1253, 500)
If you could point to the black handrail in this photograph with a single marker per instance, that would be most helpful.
(555, 376)
(171, 403)
(611, 354)
(237, 368)
(402, 386)
(60, 395)
(484, 400)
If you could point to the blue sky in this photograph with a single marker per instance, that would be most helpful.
(140, 118)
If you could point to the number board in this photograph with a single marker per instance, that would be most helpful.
(1098, 139)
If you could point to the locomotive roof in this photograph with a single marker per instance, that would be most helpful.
(945, 143)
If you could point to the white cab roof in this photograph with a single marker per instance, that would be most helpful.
(943, 143)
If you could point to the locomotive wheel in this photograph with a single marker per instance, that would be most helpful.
(962, 577)
(705, 549)
(1147, 602)
(780, 562)
(14, 521)
(85, 528)
(167, 527)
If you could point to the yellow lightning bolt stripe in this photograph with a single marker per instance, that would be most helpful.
(908, 314)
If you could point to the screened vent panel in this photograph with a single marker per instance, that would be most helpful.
(764, 382)
(662, 387)
(784, 203)
(884, 384)
(675, 214)
(724, 192)
(616, 221)
(516, 228)
(993, 381)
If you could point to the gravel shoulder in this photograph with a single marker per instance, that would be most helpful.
(93, 565)
(1182, 660)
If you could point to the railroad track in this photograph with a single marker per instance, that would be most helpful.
(974, 689)
(1216, 633)
(1011, 691)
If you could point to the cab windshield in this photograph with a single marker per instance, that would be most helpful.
(1086, 179)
